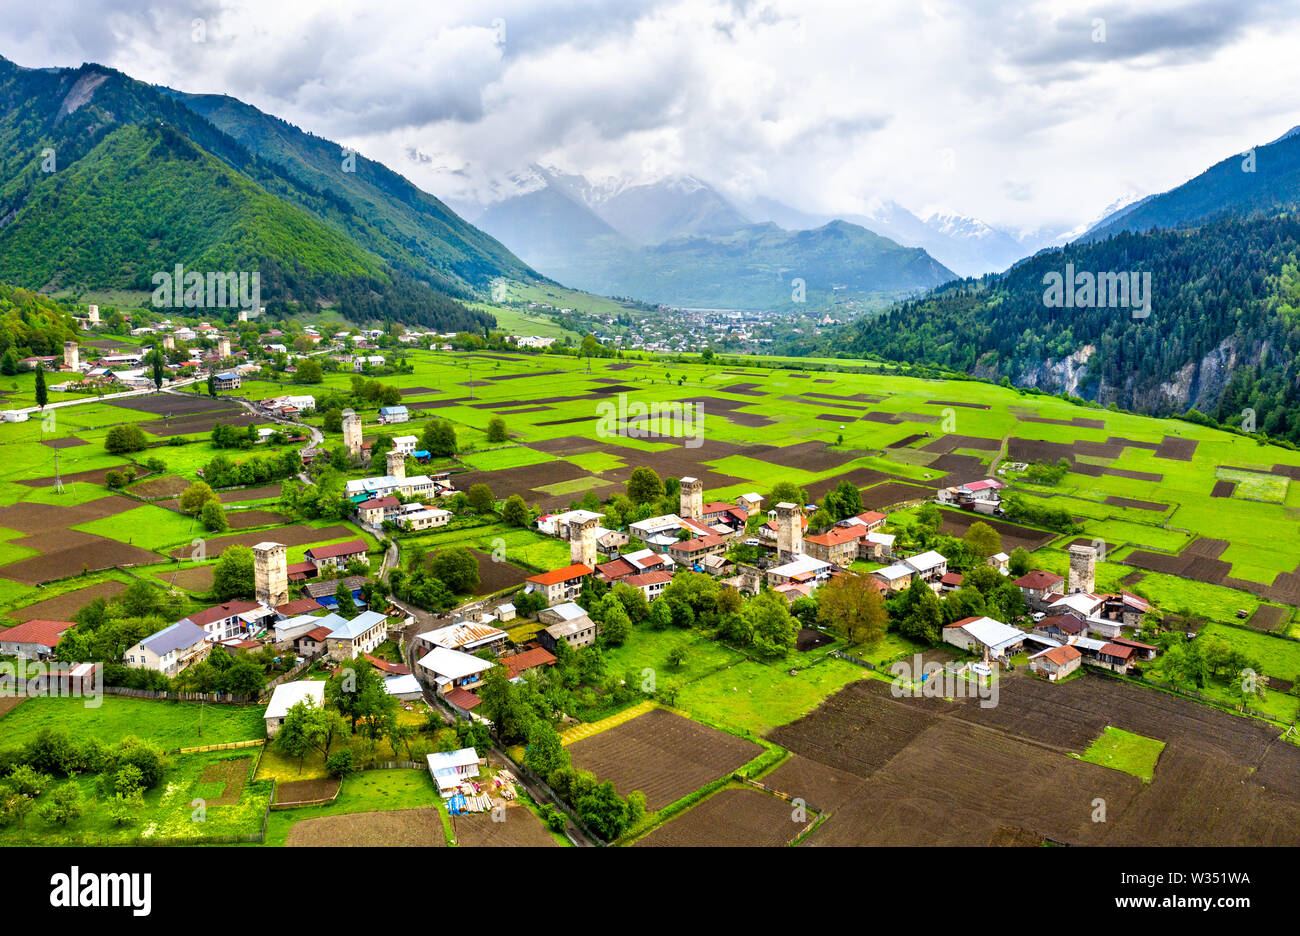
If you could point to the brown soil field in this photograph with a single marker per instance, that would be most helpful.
(1176, 449)
(69, 552)
(30, 517)
(520, 376)
(244, 519)
(1290, 471)
(1076, 421)
(231, 773)
(265, 492)
(968, 467)
(821, 786)
(408, 828)
(174, 404)
(957, 523)
(305, 791)
(167, 486)
(731, 817)
(296, 535)
(63, 607)
(9, 703)
(1223, 489)
(66, 442)
(521, 829)
(956, 403)
(1136, 504)
(956, 773)
(494, 576)
(524, 409)
(831, 417)
(197, 579)
(1135, 475)
(204, 423)
(93, 476)
(858, 477)
(1269, 617)
(810, 456)
(889, 419)
(564, 422)
(881, 496)
(663, 755)
(745, 389)
(905, 441)
(952, 441)
(811, 639)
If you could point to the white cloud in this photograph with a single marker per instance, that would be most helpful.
(1007, 111)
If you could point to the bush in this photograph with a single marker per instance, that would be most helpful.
(125, 439)
(340, 763)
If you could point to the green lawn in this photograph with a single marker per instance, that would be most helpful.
(758, 698)
(170, 725)
(365, 791)
(1123, 750)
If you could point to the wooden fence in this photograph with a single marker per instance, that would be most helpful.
(216, 698)
(228, 746)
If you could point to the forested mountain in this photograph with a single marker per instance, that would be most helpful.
(1261, 181)
(105, 181)
(1223, 332)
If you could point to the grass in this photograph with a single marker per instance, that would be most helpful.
(171, 725)
(758, 698)
(1254, 485)
(365, 791)
(1123, 750)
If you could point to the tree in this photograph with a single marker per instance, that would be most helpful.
(340, 763)
(196, 496)
(439, 438)
(232, 575)
(603, 811)
(678, 655)
(343, 597)
(156, 360)
(480, 498)
(213, 517)
(457, 568)
(775, 629)
(496, 430)
(788, 492)
(589, 349)
(515, 512)
(121, 439)
(616, 626)
(212, 384)
(308, 372)
(983, 540)
(1020, 563)
(42, 394)
(852, 607)
(545, 753)
(644, 486)
(291, 739)
(922, 614)
(62, 805)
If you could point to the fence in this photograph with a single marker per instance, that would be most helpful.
(217, 698)
(297, 670)
(840, 654)
(228, 746)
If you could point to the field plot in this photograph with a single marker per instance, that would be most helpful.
(1013, 535)
(663, 755)
(403, 828)
(956, 773)
(1123, 750)
(62, 607)
(520, 828)
(1255, 485)
(733, 816)
(305, 791)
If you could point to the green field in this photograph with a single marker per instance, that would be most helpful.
(1123, 750)
(170, 725)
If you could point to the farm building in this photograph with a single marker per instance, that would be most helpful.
(450, 769)
(1056, 662)
(984, 635)
(559, 585)
(171, 649)
(286, 696)
(34, 639)
(378, 509)
(576, 632)
(338, 555)
(653, 583)
(802, 570)
(519, 663)
(361, 634)
(224, 621)
(312, 642)
(692, 551)
(895, 577)
(393, 414)
(468, 638)
(423, 518)
(1035, 586)
(407, 688)
(452, 669)
(930, 566)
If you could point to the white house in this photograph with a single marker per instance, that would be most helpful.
(984, 634)
(451, 768)
(287, 695)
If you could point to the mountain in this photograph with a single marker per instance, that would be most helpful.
(1222, 334)
(106, 180)
(1258, 185)
(678, 241)
(756, 266)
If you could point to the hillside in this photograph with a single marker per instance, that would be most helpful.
(1223, 333)
(107, 180)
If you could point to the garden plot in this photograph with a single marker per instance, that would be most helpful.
(421, 827)
(735, 816)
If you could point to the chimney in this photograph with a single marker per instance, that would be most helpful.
(270, 574)
(692, 498)
(71, 359)
(582, 542)
(352, 433)
(1083, 568)
(397, 464)
(789, 531)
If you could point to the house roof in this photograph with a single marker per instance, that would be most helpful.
(345, 629)
(645, 579)
(1138, 645)
(556, 576)
(221, 612)
(1039, 579)
(452, 663)
(519, 662)
(351, 547)
(458, 636)
(317, 633)
(461, 698)
(1118, 650)
(952, 578)
(376, 503)
(568, 611)
(178, 636)
(297, 606)
(925, 561)
(287, 695)
(401, 684)
(895, 571)
(327, 587)
(710, 541)
(991, 633)
(571, 626)
(616, 568)
(1064, 622)
(836, 536)
(37, 631)
(1061, 655)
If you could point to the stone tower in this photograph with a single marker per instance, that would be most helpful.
(789, 531)
(1083, 568)
(92, 312)
(270, 574)
(169, 342)
(223, 347)
(70, 356)
(582, 542)
(692, 498)
(243, 315)
(396, 464)
(352, 433)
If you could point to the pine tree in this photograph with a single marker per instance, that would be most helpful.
(42, 395)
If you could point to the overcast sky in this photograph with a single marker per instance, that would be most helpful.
(1022, 114)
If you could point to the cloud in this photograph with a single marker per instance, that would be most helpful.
(1006, 110)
